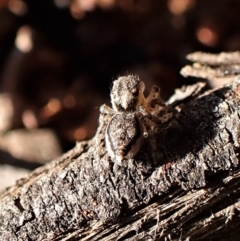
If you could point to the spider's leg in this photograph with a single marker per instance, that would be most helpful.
(154, 103)
(105, 109)
(149, 123)
(150, 126)
(154, 93)
(106, 114)
(141, 97)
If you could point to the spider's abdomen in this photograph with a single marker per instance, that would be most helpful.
(123, 136)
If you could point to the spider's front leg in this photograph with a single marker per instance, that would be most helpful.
(105, 109)
(151, 123)
(148, 121)
(154, 103)
(154, 93)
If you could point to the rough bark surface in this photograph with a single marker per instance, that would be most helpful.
(183, 184)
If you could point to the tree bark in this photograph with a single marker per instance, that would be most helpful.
(184, 184)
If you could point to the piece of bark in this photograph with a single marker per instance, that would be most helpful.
(183, 184)
(217, 69)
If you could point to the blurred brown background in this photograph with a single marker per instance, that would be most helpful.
(58, 59)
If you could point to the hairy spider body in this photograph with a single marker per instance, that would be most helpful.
(132, 117)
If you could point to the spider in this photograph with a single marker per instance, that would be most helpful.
(132, 117)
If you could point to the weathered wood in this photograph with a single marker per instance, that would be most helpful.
(183, 184)
(224, 58)
(214, 67)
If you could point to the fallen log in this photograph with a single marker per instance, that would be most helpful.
(183, 183)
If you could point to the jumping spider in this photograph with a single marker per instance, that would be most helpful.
(131, 118)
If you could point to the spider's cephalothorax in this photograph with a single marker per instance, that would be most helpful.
(127, 93)
(132, 118)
